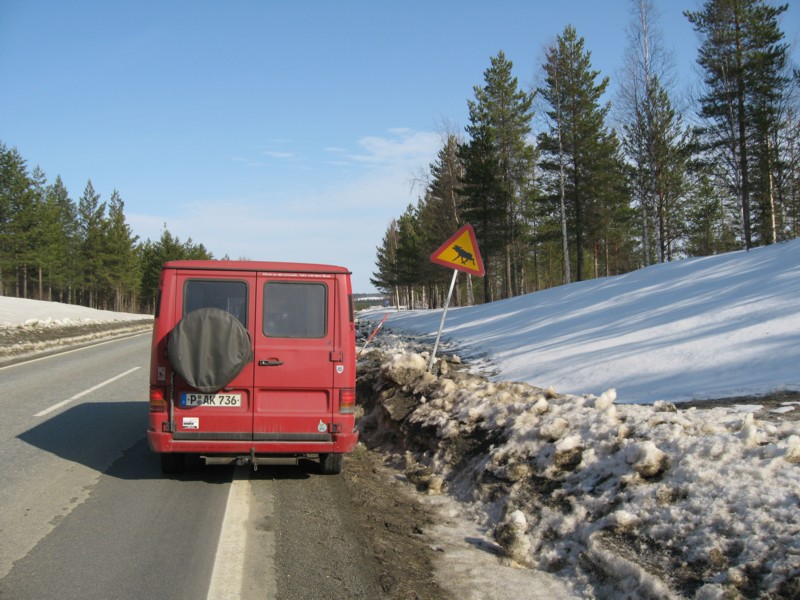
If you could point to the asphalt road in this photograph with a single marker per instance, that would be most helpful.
(85, 512)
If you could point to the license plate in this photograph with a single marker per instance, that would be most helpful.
(191, 399)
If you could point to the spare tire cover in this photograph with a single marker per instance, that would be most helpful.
(208, 348)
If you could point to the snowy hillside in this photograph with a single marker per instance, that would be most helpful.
(711, 327)
(586, 469)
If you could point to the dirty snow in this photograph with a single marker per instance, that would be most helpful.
(591, 468)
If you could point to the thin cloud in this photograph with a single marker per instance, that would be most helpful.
(403, 147)
(279, 154)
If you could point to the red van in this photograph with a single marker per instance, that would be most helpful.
(252, 362)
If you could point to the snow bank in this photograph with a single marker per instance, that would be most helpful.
(29, 327)
(698, 503)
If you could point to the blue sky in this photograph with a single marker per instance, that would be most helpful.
(277, 130)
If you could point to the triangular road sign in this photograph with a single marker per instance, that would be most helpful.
(460, 252)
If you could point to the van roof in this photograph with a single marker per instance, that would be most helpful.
(255, 265)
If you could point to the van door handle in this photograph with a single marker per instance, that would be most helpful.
(273, 362)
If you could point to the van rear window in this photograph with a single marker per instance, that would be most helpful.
(230, 296)
(295, 310)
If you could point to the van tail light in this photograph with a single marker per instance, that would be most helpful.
(158, 398)
(347, 401)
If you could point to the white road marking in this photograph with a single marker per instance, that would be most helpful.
(47, 411)
(228, 574)
(244, 566)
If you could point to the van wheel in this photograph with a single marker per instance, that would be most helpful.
(172, 463)
(331, 464)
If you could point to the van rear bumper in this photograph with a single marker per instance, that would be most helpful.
(337, 443)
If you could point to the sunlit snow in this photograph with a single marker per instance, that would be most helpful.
(711, 327)
(15, 312)
(711, 495)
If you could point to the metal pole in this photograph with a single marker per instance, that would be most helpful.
(441, 323)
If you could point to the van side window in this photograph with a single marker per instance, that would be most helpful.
(295, 310)
(230, 296)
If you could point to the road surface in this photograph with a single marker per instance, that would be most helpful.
(86, 513)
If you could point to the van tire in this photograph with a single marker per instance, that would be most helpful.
(172, 463)
(208, 348)
(331, 464)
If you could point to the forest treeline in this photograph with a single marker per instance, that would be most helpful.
(52, 248)
(556, 194)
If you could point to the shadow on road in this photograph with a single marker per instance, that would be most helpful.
(110, 437)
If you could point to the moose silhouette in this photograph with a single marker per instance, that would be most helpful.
(463, 255)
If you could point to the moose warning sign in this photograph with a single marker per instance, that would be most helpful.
(460, 252)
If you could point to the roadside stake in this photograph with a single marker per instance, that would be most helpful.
(372, 335)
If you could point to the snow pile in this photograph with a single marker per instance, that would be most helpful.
(605, 474)
(663, 502)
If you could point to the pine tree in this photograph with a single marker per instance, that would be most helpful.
(744, 60)
(580, 159)
(500, 122)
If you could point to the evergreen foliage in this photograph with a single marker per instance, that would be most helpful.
(582, 202)
(500, 123)
(583, 156)
(86, 253)
(745, 74)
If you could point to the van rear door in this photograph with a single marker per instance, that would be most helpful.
(295, 357)
(224, 413)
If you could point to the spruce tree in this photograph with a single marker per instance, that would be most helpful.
(17, 220)
(91, 217)
(61, 241)
(483, 205)
(439, 215)
(120, 249)
(386, 278)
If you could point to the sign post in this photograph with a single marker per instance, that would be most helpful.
(459, 253)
